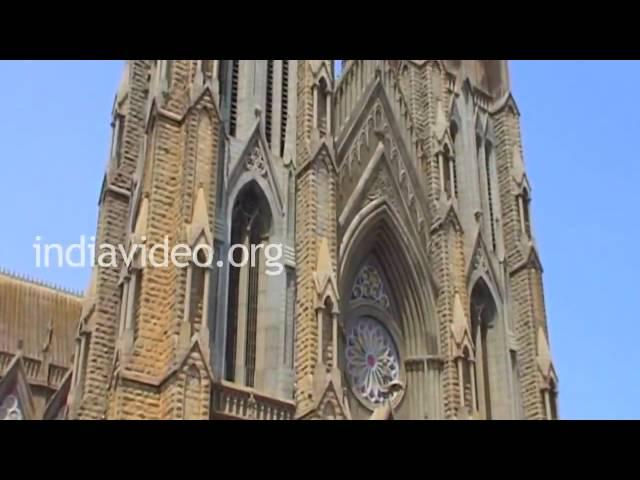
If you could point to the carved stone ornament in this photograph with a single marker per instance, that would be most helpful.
(369, 286)
(10, 409)
(381, 188)
(256, 162)
(479, 262)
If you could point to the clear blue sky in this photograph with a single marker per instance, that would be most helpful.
(580, 127)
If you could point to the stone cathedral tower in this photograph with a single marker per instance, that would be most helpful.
(411, 285)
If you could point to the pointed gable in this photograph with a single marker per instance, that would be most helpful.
(56, 407)
(531, 257)
(506, 102)
(331, 404)
(206, 98)
(325, 278)
(257, 162)
(517, 165)
(460, 327)
(322, 153)
(545, 364)
(321, 69)
(199, 231)
(391, 163)
(448, 217)
(16, 401)
(480, 262)
(195, 353)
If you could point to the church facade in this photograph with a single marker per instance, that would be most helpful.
(410, 285)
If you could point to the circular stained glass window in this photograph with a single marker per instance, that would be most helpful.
(371, 359)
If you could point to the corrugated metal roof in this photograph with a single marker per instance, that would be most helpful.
(28, 310)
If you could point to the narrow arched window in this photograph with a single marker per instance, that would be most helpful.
(468, 387)
(551, 401)
(192, 394)
(327, 334)
(448, 173)
(137, 303)
(321, 106)
(118, 139)
(484, 332)
(251, 223)
(524, 203)
(122, 295)
(196, 297)
(289, 332)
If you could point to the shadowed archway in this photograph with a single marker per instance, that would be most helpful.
(400, 299)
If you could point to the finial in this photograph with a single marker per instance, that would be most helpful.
(49, 337)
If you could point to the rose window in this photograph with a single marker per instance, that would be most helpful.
(10, 409)
(371, 360)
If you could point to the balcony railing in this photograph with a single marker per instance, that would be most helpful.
(231, 401)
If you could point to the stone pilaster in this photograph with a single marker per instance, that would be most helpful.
(112, 229)
(315, 222)
(524, 271)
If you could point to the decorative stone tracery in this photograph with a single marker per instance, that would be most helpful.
(372, 360)
(10, 409)
(256, 162)
(369, 286)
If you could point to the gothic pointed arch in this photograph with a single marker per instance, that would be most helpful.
(332, 404)
(466, 88)
(251, 221)
(386, 174)
(386, 303)
(255, 163)
(489, 337)
(203, 96)
(455, 117)
(379, 228)
(16, 400)
(481, 266)
(321, 70)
